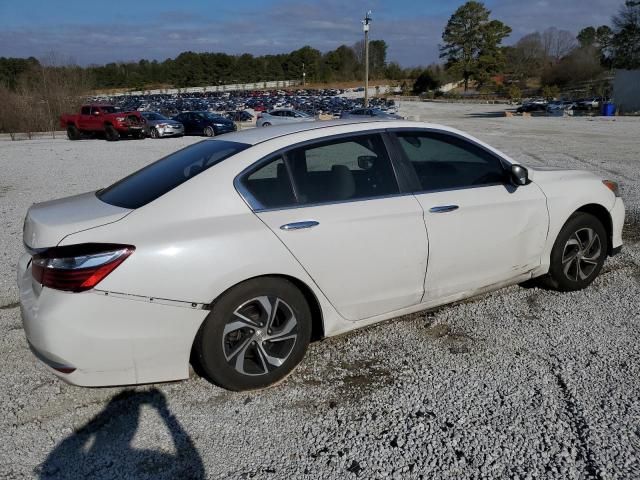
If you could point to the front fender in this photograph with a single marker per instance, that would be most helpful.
(568, 191)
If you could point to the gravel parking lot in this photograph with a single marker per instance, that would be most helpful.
(520, 383)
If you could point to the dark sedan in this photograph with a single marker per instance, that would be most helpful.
(204, 123)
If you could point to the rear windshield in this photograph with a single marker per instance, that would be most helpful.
(155, 180)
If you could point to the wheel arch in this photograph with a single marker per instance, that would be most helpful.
(317, 319)
(602, 214)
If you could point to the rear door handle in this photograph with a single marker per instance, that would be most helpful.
(443, 208)
(299, 225)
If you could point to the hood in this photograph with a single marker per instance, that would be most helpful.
(542, 175)
(47, 223)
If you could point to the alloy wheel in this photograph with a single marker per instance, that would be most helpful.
(581, 254)
(260, 335)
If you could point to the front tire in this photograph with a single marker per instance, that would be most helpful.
(111, 133)
(256, 334)
(578, 253)
(155, 133)
(73, 133)
(209, 132)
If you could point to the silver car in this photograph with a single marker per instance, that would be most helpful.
(282, 117)
(157, 125)
(362, 113)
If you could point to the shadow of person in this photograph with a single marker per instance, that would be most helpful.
(102, 448)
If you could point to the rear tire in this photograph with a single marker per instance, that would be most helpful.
(111, 134)
(578, 254)
(256, 334)
(73, 133)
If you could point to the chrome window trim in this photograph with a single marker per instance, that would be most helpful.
(257, 207)
(338, 202)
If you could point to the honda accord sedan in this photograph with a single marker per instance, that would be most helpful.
(234, 253)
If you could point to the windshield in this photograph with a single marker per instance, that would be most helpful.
(153, 116)
(160, 177)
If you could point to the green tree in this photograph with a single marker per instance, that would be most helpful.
(514, 93)
(472, 43)
(626, 36)
(550, 92)
(526, 58)
(425, 82)
(598, 39)
(587, 37)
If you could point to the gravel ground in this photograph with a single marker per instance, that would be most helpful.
(520, 383)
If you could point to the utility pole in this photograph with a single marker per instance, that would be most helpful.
(365, 28)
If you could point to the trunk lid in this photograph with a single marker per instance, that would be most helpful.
(47, 223)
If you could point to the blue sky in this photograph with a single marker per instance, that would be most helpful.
(99, 32)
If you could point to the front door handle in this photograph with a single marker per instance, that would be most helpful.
(443, 208)
(299, 225)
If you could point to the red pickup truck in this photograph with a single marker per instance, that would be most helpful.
(102, 119)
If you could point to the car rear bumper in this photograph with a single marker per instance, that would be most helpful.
(96, 339)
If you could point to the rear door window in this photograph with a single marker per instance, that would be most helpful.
(347, 168)
(270, 185)
(85, 110)
(160, 177)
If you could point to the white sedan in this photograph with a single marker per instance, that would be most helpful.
(233, 254)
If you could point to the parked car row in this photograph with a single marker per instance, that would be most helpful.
(113, 123)
(312, 102)
(541, 105)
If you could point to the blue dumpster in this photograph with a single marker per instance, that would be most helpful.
(608, 109)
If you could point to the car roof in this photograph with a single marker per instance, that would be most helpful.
(257, 135)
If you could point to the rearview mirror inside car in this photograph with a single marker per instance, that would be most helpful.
(365, 162)
(519, 175)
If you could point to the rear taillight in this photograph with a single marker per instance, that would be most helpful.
(259, 116)
(76, 268)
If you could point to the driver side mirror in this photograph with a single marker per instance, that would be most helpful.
(519, 175)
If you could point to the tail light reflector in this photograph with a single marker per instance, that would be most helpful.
(76, 268)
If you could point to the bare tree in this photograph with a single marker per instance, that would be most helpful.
(525, 58)
(49, 88)
(557, 44)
